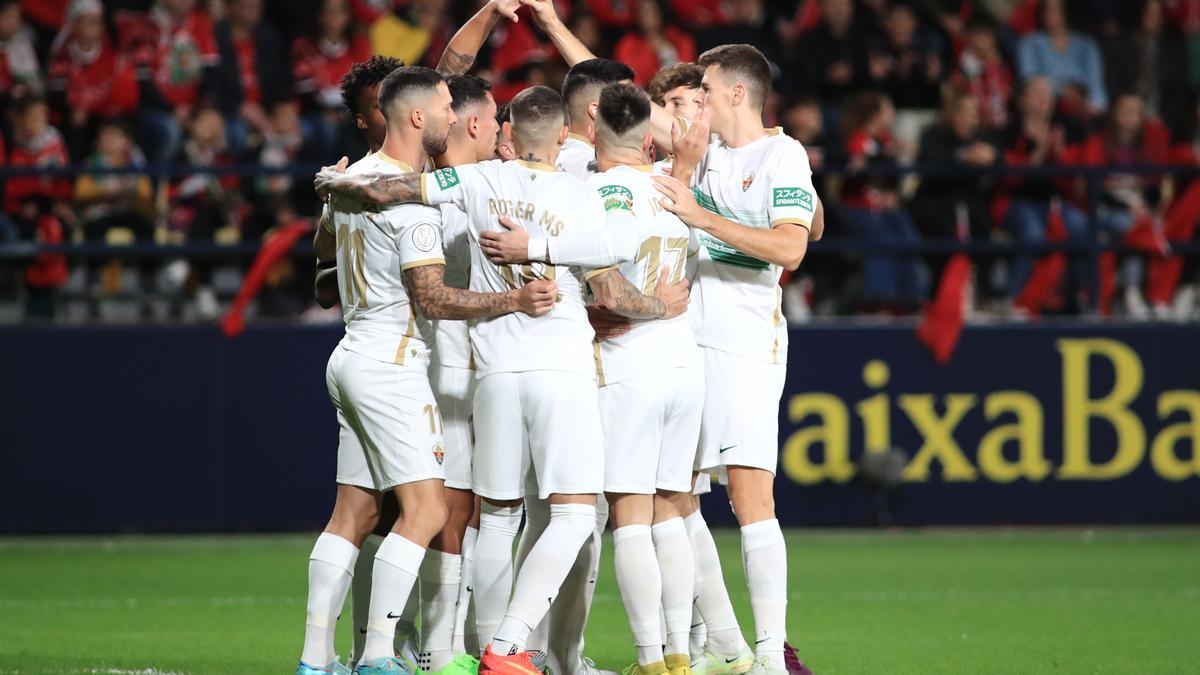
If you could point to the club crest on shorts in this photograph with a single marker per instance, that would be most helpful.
(439, 452)
(747, 181)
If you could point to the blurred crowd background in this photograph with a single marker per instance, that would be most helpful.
(1056, 140)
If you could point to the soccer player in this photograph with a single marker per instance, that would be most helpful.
(390, 433)
(536, 403)
(445, 598)
(755, 208)
(581, 91)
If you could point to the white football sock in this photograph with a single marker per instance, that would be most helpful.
(543, 573)
(724, 636)
(441, 574)
(569, 613)
(330, 570)
(699, 635)
(396, 566)
(461, 606)
(537, 517)
(498, 527)
(360, 593)
(765, 557)
(406, 625)
(673, 548)
(640, 584)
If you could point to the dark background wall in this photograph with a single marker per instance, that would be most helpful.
(180, 429)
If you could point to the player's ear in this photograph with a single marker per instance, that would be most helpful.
(360, 122)
(473, 126)
(417, 117)
(506, 129)
(592, 108)
(739, 94)
(648, 147)
(562, 134)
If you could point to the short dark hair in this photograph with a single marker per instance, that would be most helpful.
(679, 75)
(23, 103)
(467, 90)
(536, 107)
(593, 73)
(405, 81)
(622, 107)
(746, 64)
(364, 75)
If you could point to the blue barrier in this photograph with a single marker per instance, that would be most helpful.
(156, 428)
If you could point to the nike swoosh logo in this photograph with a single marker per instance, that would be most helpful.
(732, 660)
(729, 447)
(362, 631)
(393, 616)
(759, 642)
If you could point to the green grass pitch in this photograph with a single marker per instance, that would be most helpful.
(962, 601)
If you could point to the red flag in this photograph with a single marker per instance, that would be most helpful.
(1108, 281)
(1041, 289)
(942, 323)
(1145, 236)
(1162, 277)
(273, 249)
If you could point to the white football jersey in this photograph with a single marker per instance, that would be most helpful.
(736, 298)
(631, 201)
(375, 245)
(451, 344)
(546, 202)
(577, 156)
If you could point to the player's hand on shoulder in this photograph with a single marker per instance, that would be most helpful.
(607, 323)
(328, 173)
(509, 246)
(679, 199)
(537, 297)
(674, 295)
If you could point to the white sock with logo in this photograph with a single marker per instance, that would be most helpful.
(330, 570)
(765, 557)
(698, 638)
(396, 567)
(673, 549)
(641, 586)
(464, 629)
(360, 593)
(498, 526)
(440, 575)
(543, 573)
(712, 599)
(537, 517)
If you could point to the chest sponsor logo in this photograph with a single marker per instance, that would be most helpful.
(616, 198)
(796, 196)
(446, 178)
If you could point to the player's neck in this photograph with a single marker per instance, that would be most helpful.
(457, 154)
(409, 151)
(545, 156)
(612, 157)
(579, 132)
(746, 129)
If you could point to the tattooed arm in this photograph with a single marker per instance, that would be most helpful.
(460, 52)
(325, 287)
(615, 292)
(379, 188)
(427, 287)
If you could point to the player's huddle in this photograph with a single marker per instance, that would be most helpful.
(543, 316)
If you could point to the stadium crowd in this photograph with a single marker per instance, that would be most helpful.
(958, 90)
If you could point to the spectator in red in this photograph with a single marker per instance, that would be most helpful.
(173, 49)
(1037, 138)
(19, 71)
(319, 60)
(46, 17)
(653, 45)
(36, 144)
(907, 62)
(202, 203)
(1130, 202)
(701, 14)
(871, 208)
(251, 77)
(88, 80)
(619, 14)
(982, 71)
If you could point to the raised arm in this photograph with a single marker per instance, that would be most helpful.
(544, 15)
(591, 247)
(615, 292)
(462, 49)
(427, 287)
(378, 188)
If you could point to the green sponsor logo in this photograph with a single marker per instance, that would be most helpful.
(617, 197)
(723, 253)
(446, 178)
(794, 197)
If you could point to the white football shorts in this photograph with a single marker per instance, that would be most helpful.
(651, 427)
(389, 432)
(541, 421)
(454, 389)
(740, 425)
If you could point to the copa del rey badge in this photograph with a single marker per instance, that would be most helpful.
(747, 181)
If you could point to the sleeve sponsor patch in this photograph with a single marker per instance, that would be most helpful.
(424, 237)
(446, 178)
(616, 197)
(795, 196)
